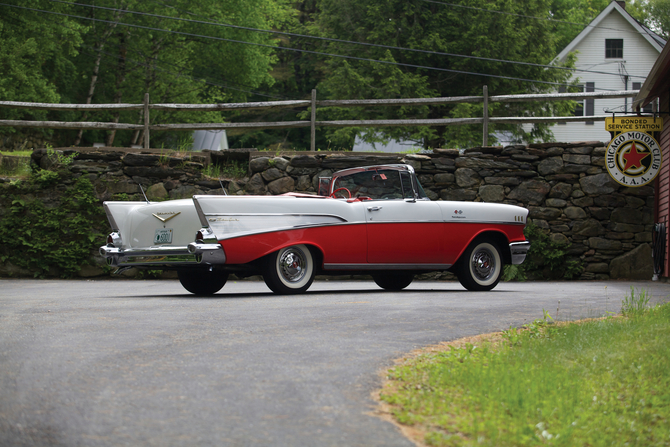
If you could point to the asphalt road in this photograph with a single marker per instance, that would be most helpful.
(121, 362)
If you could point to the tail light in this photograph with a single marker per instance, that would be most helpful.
(114, 239)
(205, 235)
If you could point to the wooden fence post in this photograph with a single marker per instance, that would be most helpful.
(146, 120)
(485, 139)
(313, 122)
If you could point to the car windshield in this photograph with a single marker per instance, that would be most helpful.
(379, 184)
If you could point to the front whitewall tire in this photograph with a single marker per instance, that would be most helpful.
(481, 267)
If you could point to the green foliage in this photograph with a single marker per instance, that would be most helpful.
(572, 16)
(603, 382)
(22, 168)
(45, 178)
(50, 236)
(633, 305)
(655, 14)
(471, 30)
(440, 28)
(36, 55)
(534, 329)
(59, 159)
(73, 60)
(17, 153)
(231, 169)
(546, 259)
(122, 197)
(174, 67)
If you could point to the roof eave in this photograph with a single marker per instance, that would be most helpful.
(656, 82)
(599, 18)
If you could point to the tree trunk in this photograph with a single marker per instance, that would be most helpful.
(99, 46)
(120, 79)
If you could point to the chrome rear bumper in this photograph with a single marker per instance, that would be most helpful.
(208, 253)
(519, 251)
(149, 256)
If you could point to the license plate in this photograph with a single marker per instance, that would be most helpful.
(163, 236)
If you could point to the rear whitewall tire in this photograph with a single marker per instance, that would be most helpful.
(290, 270)
(393, 281)
(202, 282)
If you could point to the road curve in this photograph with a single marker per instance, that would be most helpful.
(124, 362)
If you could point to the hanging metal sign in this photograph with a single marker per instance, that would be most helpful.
(643, 123)
(633, 158)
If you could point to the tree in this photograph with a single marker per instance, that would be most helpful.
(183, 61)
(655, 14)
(103, 52)
(35, 55)
(483, 34)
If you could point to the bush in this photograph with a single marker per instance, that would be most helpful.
(546, 259)
(53, 236)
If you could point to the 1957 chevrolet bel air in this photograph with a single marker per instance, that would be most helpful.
(375, 220)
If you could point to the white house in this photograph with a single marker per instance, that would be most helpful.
(618, 53)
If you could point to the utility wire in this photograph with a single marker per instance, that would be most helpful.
(298, 50)
(583, 25)
(91, 51)
(329, 39)
(289, 49)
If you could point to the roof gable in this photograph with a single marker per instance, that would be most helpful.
(654, 40)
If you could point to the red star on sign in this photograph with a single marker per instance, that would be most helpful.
(634, 158)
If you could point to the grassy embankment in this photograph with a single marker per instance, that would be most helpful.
(598, 383)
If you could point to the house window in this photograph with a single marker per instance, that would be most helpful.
(613, 48)
(579, 106)
(649, 108)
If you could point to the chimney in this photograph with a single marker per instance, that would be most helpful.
(622, 3)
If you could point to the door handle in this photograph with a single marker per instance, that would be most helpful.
(374, 208)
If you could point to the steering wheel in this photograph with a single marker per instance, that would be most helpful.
(332, 194)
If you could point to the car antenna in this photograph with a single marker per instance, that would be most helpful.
(142, 189)
(224, 189)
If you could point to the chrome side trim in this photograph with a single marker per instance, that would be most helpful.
(518, 251)
(208, 253)
(277, 214)
(222, 237)
(486, 222)
(331, 266)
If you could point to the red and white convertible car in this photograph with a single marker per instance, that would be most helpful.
(375, 220)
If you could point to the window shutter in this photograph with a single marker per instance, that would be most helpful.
(590, 103)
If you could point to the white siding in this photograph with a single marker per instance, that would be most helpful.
(638, 58)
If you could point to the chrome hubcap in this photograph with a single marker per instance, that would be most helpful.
(292, 265)
(483, 264)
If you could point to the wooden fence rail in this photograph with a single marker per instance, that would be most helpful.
(313, 104)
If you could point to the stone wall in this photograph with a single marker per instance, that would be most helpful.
(565, 187)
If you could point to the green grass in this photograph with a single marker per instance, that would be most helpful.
(17, 153)
(231, 169)
(598, 383)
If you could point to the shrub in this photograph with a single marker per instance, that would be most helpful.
(546, 259)
(53, 236)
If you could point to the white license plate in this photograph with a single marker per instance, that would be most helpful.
(163, 236)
